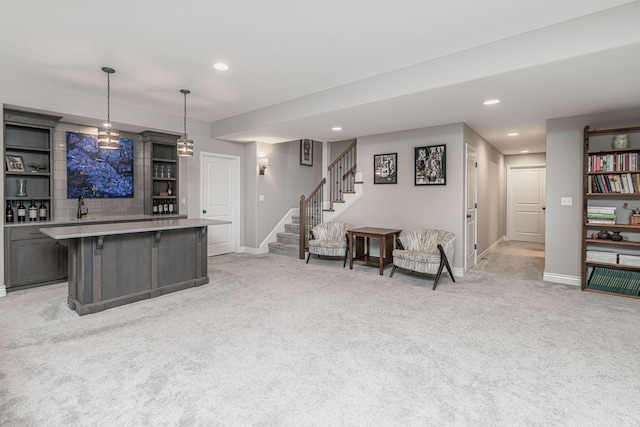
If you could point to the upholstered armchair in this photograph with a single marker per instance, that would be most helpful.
(424, 251)
(330, 239)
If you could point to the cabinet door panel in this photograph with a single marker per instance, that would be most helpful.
(34, 260)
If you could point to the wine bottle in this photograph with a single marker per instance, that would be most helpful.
(169, 189)
(33, 211)
(22, 212)
(9, 217)
(42, 211)
(160, 207)
(170, 207)
(166, 206)
(155, 207)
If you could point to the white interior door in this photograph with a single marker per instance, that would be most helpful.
(526, 201)
(220, 200)
(471, 208)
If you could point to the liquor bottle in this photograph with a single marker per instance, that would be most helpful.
(155, 207)
(22, 212)
(166, 206)
(42, 211)
(9, 217)
(33, 211)
(169, 189)
(170, 207)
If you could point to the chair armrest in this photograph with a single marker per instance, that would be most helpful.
(448, 247)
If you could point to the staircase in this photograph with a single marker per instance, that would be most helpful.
(288, 243)
(342, 189)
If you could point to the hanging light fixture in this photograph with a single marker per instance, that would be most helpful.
(185, 145)
(108, 139)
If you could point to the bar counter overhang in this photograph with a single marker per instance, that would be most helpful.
(116, 264)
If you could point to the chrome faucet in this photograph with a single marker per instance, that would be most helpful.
(80, 205)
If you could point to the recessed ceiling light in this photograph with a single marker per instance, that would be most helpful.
(336, 128)
(524, 151)
(220, 66)
(492, 102)
(513, 134)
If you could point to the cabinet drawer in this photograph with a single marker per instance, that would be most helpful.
(22, 233)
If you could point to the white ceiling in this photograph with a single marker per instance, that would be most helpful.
(298, 68)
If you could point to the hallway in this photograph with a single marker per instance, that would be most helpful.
(518, 260)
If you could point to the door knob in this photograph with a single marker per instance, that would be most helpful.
(204, 211)
(469, 216)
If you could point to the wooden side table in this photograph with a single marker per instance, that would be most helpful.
(359, 245)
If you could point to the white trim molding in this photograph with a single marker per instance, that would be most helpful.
(491, 248)
(563, 279)
(272, 236)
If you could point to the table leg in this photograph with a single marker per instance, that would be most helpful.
(351, 249)
(383, 246)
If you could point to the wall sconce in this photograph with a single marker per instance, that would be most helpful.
(263, 162)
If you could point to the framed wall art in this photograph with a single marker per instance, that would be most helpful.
(96, 173)
(385, 168)
(306, 152)
(14, 163)
(430, 165)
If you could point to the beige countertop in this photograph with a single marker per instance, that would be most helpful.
(92, 230)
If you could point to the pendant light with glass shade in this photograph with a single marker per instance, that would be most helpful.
(185, 145)
(108, 138)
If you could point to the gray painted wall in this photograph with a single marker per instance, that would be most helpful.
(564, 179)
(404, 205)
(283, 183)
(491, 191)
(535, 159)
(337, 147)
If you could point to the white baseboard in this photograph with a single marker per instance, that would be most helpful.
(492, 247)
(279, 228)
(563, 279)
(252, 251)
(3, 291)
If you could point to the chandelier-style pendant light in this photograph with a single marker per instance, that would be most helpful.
(108, 138)
(185, 145)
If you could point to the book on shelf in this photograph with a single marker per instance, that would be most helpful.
(623, 183)
(613, 280)
(601, 216)
(631, 260)
(620, 162)
(601, 209)
(601, 221)
(602, 256)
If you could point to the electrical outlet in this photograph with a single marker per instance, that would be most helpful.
(566, 201)
(183, 201)
(261, 197)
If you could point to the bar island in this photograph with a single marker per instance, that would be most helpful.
(116, 264)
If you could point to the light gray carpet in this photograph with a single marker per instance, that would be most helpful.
(273, 341)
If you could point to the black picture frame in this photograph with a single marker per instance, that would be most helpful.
(385, 168)
(431, 165)
(306, 152)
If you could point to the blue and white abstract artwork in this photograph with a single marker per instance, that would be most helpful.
(94, 172)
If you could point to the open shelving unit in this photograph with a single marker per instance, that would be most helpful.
(611, 184)
(161, 149)
(28, 137)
